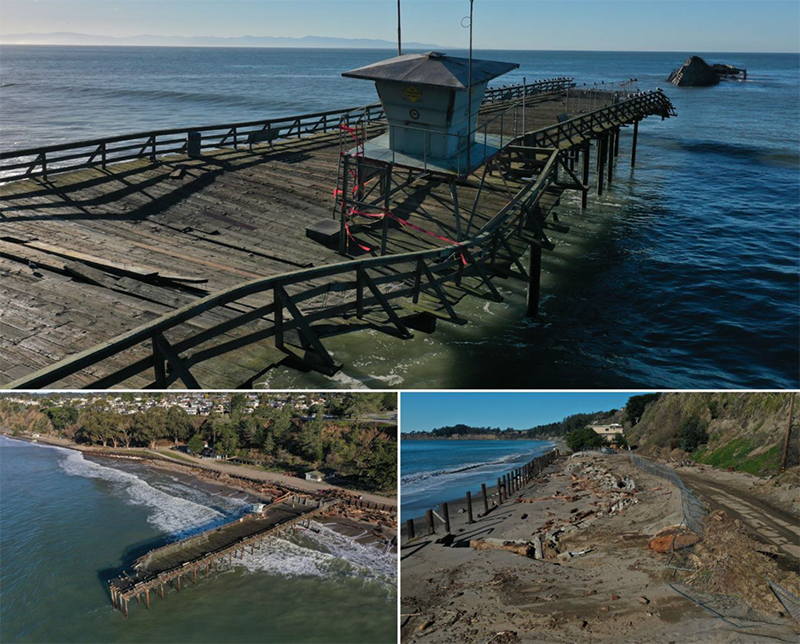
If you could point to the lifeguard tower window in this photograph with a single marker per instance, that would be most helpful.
(432, 117)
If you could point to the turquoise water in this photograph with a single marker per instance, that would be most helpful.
(68, 524)
(434, 471)
(684, 274)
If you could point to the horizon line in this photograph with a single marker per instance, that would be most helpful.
(168, 46)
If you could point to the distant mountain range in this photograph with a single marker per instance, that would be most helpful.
(70, 38)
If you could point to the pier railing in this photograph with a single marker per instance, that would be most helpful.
(511, 92)
(43, 161)
(572, 132)
(373, 282)
(491, 496)
(63, 157)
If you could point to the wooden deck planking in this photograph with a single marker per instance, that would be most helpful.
(258, 203)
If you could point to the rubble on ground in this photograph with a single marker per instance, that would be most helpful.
(612, 495)
(672, 538)
(728, 562)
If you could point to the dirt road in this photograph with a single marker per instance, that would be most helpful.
(765, 522)
(302, 484)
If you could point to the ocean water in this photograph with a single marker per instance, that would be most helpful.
(683, 275)
(68, 524)
(433, 471)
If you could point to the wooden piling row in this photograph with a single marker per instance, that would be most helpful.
(507, 484)
(120, 597)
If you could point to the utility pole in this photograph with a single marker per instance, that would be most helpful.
(399, 45)
(469, 90)
(788, 433)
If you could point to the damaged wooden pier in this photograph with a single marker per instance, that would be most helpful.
(180, 256)
(207, 551)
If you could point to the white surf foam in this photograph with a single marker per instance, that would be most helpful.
(324, 553)
(173, 515)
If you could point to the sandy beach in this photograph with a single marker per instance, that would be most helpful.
(596, 580)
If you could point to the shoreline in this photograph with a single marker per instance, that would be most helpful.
(377, 531)
(459, 503)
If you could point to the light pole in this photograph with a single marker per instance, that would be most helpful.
(469, 90)
(399, 45)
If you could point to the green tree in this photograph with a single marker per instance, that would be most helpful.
(196, 444)
(247, 428)
(281, 426)
(149, 426)
(227, 443)
(268, 447)
(310, 439)
(620, 441)
(93, 425)
(123, 430)
(179, 424)
(584, 438)
(63, 417)
(238, 404)
(692, 434)
(361, 404)
(382, 471)
(636, 405)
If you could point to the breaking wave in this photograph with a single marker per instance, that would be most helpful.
(417, 477)
(174, 515)
(325, 553)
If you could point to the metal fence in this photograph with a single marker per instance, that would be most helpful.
(789, 601)
(694, 512)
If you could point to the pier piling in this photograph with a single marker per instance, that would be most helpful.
(602, 145)
(534, 279)
(446, 517)
(469, 508)
(633, 144)
(485, 499)
(431, 526)
(410, 529)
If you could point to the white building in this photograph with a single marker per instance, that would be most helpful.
(609, 431)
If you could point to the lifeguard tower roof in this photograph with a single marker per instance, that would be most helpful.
(431, 116)
(433, 69)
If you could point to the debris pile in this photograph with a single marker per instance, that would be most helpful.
(729, 562)
(612, 495)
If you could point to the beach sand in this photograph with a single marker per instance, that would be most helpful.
(616, 592)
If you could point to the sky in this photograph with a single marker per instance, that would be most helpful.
(425, 411)
(640, 25)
